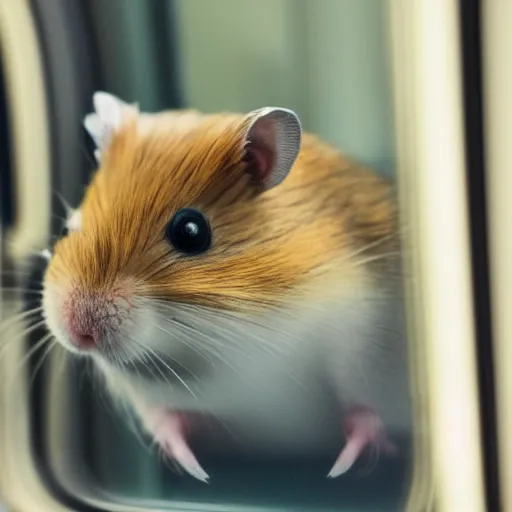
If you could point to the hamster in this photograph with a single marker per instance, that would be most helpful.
(231, 265)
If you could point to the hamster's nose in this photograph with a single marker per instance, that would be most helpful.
(86, 320)
(83, 339)
(93, 319)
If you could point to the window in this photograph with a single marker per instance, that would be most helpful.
(379, 81)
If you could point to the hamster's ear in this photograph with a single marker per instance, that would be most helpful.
(109, 114)
(272, 144)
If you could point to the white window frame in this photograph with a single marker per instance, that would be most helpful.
(427, 72)
(497, 85)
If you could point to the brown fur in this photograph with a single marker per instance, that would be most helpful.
(264, 244)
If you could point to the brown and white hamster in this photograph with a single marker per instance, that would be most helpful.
(224, 263)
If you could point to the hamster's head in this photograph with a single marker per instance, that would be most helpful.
(182, 220)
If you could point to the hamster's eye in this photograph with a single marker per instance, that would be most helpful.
(64, 232)
(189, 232)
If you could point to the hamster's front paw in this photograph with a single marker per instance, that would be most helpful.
(363, 429)
(168, 430)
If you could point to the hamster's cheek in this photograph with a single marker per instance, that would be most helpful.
(52, 306)
(153, 327)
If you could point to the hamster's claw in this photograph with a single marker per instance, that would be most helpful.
(170, 435)
(363, 429)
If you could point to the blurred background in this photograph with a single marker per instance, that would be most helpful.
(335, 63)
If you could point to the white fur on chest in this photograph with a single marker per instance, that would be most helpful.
(272, 372)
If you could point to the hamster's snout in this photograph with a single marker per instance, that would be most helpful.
(93, 319)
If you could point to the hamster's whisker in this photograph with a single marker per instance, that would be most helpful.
(146, 348)
(137, 351)
(137, 355)
(372, 462)
(63, 201)
(152, 353)
(134, 355)
(10, 320)
(141, 357)
(144, 358)
(213, 314)
(127, 412)
(124, 405)
(21, 291)
(377, 257)
(119, 361)
(211, 318)
(88, 156)
(204, 351)
(114, 353)
(220, 335)
(17, 273)
(62, 361)
(8, 342)
(213, 342)
(239, 324)
(228, 334)
(58, 217)
(51, 345)
(27, 357)
(371, 245)
(38, 253)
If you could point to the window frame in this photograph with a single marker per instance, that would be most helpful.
(429, 111)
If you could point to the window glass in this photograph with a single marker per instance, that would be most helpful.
(328, 61)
